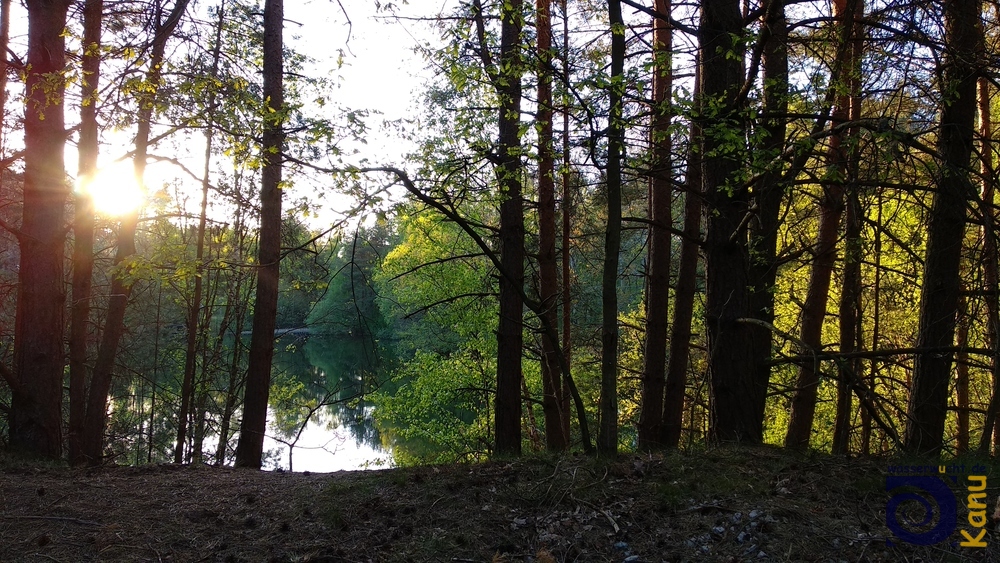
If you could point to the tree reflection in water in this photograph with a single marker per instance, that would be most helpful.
(318, 408)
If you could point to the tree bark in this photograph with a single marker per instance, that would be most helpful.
(769, 190)
(250, 448)
(567, 305)
(736, 398)
(650, 429)
(607, 437)
(83, 229)
(928, 403)
(962, 379)
(548, 276)
(848, 369)
(990, 258)
(510, 340)
(687, 286)
(35, 420)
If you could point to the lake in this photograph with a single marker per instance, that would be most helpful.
(319, 419)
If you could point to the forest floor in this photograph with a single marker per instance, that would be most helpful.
(725, 504)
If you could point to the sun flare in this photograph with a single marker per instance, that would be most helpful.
(114, 190)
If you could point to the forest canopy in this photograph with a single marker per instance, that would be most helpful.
(617, 226)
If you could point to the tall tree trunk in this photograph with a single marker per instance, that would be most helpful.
(962, 379)
(848, 369)
(736, 395)
(507, 414)
(607, 437)
(121, 288)
(831, 209)
(849, 307)
(769, 190)
(194, 306)
(990, 258)
(650, 429)
(687, 286)
(939, 295)
(239, 296)
(250, 448)
(232, 396)
(83, 229)
(866, 418)
(567, 305)
(35, 421)
(552, 399)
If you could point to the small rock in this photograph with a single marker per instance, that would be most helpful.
(742, 537)
(754, 514)
(632, 559)
(736, 518)
(718, 530)
(761, 555)
(705, 549)
(621, 546)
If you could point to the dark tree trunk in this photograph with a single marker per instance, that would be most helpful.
(250, 447)
(650, 429)
(552, 399)
(83, 229)
(831, 208)
(509, 333)
(848, 369)
(35, 421)
(567, 305)
(962, 379)
(687, 286)
(769, 189)
(737, 396)
(990, 258)
(121, 288)
(850, 294)
(928, 404)
(607, 437)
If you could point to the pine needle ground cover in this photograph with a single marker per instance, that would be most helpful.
(727, 504)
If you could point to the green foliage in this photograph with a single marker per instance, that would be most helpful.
(349, 303)
(440, 405)
(441, 408)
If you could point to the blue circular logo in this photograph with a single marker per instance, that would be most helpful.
(935, 505)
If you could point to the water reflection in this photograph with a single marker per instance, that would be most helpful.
(319, 419)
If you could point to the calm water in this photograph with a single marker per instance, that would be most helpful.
(319, 420)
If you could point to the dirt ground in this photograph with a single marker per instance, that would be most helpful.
(727, 504)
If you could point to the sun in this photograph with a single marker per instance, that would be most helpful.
(114, 190)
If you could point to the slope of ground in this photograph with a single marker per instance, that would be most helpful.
(727, 504)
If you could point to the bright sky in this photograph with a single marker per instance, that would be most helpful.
(380, 73)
